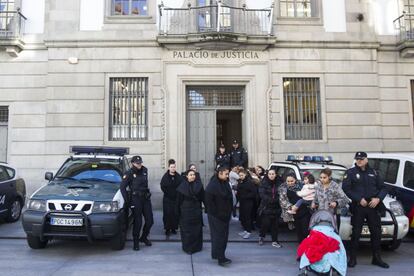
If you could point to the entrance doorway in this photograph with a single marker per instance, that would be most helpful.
(214, 116)
(4, 119)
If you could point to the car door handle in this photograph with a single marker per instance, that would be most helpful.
(201, 161)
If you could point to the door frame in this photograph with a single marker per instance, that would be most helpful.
(258, 89)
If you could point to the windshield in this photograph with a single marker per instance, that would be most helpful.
(337, 175)
(92, 170)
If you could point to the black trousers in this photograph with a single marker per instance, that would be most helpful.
(246, 214)
(219, 231)
(359, 214)
(142, 207)
(302, 226)
(270, 222)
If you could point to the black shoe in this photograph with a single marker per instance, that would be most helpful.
(224, 262)
(167, 232)
(136, 245)
(174, 232)
(352, 262)
(146, 241)
(376, 260)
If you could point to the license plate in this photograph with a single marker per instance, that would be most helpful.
(365, 230)
(66, 221)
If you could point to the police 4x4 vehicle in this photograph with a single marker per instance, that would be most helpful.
(12, 193)
(82, 200)
(394, 223)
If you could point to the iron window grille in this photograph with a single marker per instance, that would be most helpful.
(4, 114)
(302, 107)
(299, 8)
(128, 109)
(202, 97)
(129, 7)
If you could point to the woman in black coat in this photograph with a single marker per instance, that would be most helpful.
(246, 193)
(169, 184)
(190, 196)
(269, 209)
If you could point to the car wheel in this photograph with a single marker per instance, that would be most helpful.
(391, 245)
(118, 241)
(35, 242)
(14, 211)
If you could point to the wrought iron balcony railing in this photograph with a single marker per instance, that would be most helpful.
(405, 25)
(11, 24)
(218, 18)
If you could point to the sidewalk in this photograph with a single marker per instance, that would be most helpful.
(15, 231)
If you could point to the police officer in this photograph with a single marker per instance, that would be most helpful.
(238, 155)
(366, 189)
(137, 181)
(222, 158)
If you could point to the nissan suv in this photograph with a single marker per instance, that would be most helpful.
(82, 200)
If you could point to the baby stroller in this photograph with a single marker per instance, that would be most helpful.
(322, 252)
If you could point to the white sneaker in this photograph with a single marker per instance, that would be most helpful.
(247, 235)
(241, 234)
(276, 244)
(235, 218)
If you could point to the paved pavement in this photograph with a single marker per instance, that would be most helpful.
(166, 257)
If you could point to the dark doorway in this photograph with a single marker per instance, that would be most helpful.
(229, 127)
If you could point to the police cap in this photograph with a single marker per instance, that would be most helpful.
(360, 155)
(136, 159)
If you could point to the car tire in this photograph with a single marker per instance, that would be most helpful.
(15, 211)
(35, 242)
(118, 241)
(391, 246)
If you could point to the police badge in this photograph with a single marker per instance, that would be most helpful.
(358, 176)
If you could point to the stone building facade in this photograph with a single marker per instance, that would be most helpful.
(170, 80)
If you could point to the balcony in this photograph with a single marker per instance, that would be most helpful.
(11, 31)
(216, 27)
(405, 26)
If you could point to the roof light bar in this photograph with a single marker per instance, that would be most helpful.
(307, 158)
(99, 150)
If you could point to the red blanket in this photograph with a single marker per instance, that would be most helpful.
(316, 245)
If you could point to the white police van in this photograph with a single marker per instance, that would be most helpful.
(397, 170)
(394, 223)
(82, 200)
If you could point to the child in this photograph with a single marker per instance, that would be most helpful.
(307, 193)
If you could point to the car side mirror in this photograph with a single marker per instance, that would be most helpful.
(49, 176)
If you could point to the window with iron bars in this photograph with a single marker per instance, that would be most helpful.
(302, 107)
(128, 109)
(129, 7)
(4, 114)
(6, 6)
(299, 8)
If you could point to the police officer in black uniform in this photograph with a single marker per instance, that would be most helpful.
(222, 157)
(366, 189)
(238, 155)
(140, 201)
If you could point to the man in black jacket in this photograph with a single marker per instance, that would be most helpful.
(219, 204)
(137, 181)
(366, 189)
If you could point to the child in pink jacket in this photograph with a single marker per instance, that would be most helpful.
(307, 193)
